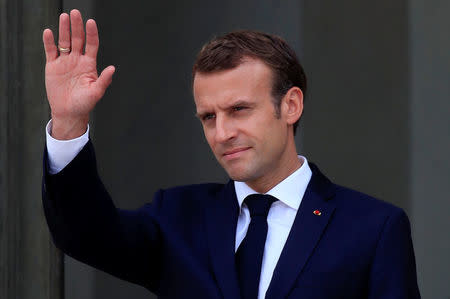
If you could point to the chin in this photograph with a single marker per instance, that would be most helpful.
(240, 175)
(241, 171)
(235, 174)
(238, 178)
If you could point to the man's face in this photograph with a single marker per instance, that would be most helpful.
(239, 120)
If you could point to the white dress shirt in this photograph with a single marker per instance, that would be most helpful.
(281, 215)
(61, 152)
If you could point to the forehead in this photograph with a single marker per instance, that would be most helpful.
(251, 79)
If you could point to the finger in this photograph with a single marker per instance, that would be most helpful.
(91, 39)
(77, 31)
(49, 45)
(105, 79)
(64, 33)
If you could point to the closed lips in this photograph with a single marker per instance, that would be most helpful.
(237, 150)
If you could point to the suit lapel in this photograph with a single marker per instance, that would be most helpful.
(304, 235)
(221, 216)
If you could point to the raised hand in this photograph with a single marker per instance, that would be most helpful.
(71, 78)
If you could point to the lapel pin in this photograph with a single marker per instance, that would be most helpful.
(317, 212)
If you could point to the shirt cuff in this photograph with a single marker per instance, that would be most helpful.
(62, 152)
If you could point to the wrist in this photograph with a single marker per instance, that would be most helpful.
(66, 129)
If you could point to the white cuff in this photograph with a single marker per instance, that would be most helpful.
(61, 152)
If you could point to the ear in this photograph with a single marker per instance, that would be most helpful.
(292, 105)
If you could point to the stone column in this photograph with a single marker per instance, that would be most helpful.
(30, 266)
(430, 143)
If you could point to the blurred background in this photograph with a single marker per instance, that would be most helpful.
(377, 117)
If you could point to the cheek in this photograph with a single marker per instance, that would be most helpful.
(264, 129)
(209, 136)
(272, 135)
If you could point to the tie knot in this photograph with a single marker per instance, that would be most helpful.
(259, 204)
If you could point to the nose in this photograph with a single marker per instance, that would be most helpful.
(225, 130)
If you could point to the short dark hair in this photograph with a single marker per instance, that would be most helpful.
(228, 51)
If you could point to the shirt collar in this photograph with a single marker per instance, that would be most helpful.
(290, 191)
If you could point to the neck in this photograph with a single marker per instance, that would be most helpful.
(287, 165)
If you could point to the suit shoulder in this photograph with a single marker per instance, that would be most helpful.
(357, 201)
(349, 201)
(195, 192)
(183, 202)
(195, 188)
(361, 213)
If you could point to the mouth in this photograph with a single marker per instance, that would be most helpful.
(235, 153)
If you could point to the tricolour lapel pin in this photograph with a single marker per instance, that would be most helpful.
(317, 212)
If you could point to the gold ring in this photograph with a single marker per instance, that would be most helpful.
(64, 50)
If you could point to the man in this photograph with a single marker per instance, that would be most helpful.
(278, 229)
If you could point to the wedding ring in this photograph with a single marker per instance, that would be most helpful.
(63, 50)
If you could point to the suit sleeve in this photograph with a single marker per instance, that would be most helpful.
(393, 273)
(85, 224)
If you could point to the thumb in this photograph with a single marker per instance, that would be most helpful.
(105, 78)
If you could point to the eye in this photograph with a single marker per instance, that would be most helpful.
(239, 108)
(208, 116)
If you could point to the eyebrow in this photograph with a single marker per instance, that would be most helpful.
(237, 103)
(241, 103)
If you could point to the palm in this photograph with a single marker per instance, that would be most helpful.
(70, 87)
(71, 79)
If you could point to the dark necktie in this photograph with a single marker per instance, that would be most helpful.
(250, 252)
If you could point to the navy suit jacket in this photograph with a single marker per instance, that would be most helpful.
(182, 244)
